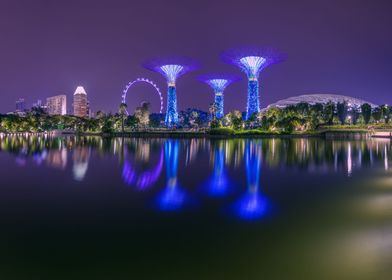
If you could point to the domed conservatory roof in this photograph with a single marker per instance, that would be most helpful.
(319, 98)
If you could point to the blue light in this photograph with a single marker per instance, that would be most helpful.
(252, 60)
(253, 102)
(219, 101)
(172, 72)
(252, 65)
(218, 85)
(253, 204)
(171, 117)
(171, 68)
(218, 184)
(218, 82)
(172, 198)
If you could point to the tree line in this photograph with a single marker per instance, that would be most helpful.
(298, 117)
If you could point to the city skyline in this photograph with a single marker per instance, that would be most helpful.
(333, 51)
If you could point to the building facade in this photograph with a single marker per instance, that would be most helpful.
(80, 103)
(57, 105)
(20, 105)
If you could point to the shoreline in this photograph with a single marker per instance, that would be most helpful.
(327, 134)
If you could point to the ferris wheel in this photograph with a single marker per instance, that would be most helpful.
(142, 80)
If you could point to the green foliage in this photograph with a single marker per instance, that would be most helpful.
(235, 120)
(222, 131)
(299, 118)
(107, 126)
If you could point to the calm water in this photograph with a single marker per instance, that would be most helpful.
(93, 208)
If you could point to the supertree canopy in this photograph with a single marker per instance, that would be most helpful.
(218, 82)
(252, 60)
(171, 69)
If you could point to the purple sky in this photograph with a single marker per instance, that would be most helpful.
(49, 47)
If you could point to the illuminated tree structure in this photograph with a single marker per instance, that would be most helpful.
(218, 83)
(171, 69)
(252, 61)
(253, 204)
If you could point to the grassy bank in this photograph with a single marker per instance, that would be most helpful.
(225, 132)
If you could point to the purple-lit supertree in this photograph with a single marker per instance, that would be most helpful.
(171, 69)
(252, 61)
(219, 82)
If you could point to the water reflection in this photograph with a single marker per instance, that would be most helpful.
(143, 162)
(173, 196)
(253, 204)
(218, 184)
(81, 156)
(335, 196)
(146, 178)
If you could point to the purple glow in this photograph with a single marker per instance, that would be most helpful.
(172, 68)
(146, 179)
(218, 82)
(252, 60)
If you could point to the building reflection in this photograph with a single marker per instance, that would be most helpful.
(192, 149)
(253, 204)
(57, 158)
(172, 197)
(81, 157)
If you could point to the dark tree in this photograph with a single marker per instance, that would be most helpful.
(377, 114)
(385, 112)
(341, 110)
(328, 112)
(122, 110)
(366, 111)
(132, 122)
(354, 113)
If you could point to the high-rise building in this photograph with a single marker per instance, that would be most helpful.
(80, 103)
(20, 105)
(57, 105)
(39, 105)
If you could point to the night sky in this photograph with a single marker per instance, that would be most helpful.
(49, 47)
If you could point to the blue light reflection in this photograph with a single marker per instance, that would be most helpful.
(253, 204)
(173, 197)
